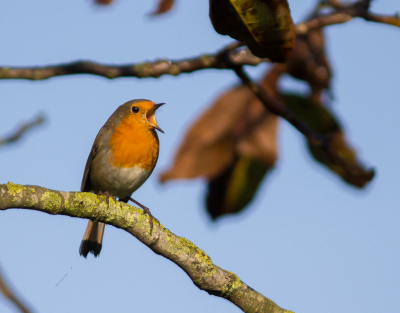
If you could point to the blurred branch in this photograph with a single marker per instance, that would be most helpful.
(24, 128)
(10, 295)
(140, 70)
(313, 137)
(194, 261)
(343, 13)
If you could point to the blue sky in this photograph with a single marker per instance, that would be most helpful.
(308, 242)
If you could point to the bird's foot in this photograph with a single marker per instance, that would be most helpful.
(146, 211)
(108, 196)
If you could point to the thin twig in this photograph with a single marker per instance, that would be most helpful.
(10, 295)
(344, 13)
(313, 137)
(22, 130)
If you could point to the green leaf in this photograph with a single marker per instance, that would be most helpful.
(320, 119)
(265, 25)
(316, 116)
(235, 188)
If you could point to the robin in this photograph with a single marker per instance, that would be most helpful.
(123, 156)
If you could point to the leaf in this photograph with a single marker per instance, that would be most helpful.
(236, 124)
(235, 188)
(309, 62)
(265, 25)
(316, 116)
(163, 7)
(256, 133)
(208, 146)
(233, 145)
(320, 119)
(103, 2)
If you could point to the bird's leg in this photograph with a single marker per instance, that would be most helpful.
(107, 194)
(146, 210)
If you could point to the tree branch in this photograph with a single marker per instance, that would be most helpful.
(194, 261)
(10, 295)
(313, 137)
(344, 13)
(25, 127)
(153, 69)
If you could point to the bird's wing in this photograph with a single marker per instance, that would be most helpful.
(85, 186)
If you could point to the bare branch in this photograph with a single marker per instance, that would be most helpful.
(22, 130)
(194, 261)
(322, 21)
(153, 69)
(313, 137)
(344, 13)
(10, 295)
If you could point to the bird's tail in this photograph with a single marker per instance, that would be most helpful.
(92, 239)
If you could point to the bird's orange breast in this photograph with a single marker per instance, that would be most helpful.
(134, 144)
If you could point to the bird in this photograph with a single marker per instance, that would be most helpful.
(123, 156)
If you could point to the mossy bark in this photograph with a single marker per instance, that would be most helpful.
(194, 261)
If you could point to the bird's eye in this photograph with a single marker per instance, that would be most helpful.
(135, 109)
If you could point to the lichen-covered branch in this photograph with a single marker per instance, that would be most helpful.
(313, 137)
(194, 261)
(23, 128)
(11, 295)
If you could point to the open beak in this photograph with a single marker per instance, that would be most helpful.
(151, 118)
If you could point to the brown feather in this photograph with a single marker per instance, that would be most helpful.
(85, 186)
(92, 239)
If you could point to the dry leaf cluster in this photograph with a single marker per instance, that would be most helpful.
(234, 143)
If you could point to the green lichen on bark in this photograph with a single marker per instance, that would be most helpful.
(52, 200)
(205, 261)
(180, 246)
(230, 288)
(17, 192)
(116, 210)
(176, 247)
(90, 200)
(14, 189)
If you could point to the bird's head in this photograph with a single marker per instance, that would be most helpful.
(142, 112)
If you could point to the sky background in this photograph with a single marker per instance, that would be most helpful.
(308, 242)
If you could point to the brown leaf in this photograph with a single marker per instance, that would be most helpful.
(236, 124)
(163, 6)
(309, 62)
(232, 190)
(233, 144)
(103, 2)
(320, 119)
(208, 146)
(257, 134)
(265, 25)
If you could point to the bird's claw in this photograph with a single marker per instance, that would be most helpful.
(108, 196)
(146, 211)
(152, 218)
